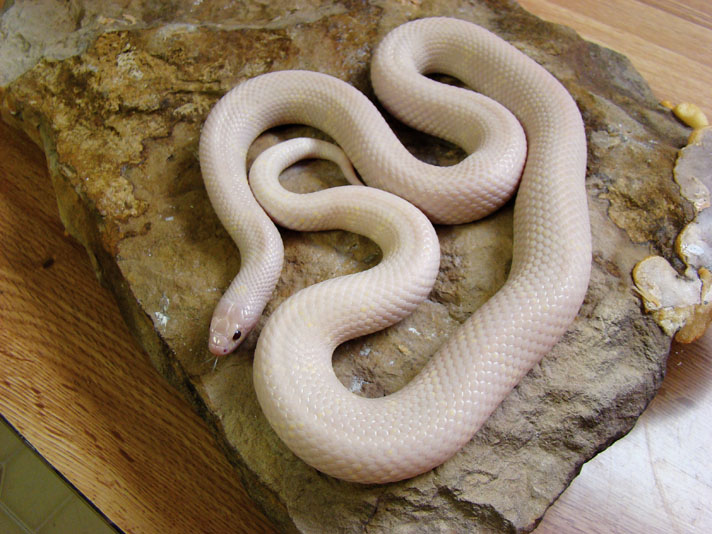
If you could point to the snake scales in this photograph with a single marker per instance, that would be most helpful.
(432, 417)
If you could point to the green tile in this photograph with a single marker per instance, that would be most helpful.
(9, 441)
(32, 495)
(77, 517)
(8, 525)
(31, 490)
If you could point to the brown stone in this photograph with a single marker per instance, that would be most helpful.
(116, 96)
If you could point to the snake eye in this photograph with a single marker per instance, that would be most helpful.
(236, 335)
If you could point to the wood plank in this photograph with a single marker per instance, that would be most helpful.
(695, 11)
(672, 53)
(75, 384)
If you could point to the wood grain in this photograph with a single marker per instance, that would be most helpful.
(668, 42)
(74, 383)
(77, 387)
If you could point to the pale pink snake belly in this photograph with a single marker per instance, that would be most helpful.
(430, 419)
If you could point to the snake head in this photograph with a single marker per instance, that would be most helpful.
(221, 344)
(228, 328)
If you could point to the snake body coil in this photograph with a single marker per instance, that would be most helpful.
(431, 418)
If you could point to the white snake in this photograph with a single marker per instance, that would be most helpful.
(432, 417)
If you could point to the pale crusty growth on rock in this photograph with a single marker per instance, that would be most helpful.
(682, 304)
(117, 96)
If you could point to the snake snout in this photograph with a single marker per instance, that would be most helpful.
(221, 343)
(228, 328)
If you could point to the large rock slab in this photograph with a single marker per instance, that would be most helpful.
(117, 95)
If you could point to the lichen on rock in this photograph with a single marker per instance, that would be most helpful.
(682, 304)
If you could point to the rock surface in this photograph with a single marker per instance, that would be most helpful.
(117, 95)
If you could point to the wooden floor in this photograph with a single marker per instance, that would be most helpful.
(77, 387)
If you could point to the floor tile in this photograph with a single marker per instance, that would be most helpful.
(10, 442)
(77, 517)
(34, 499)
(30, 489)
(9, 525)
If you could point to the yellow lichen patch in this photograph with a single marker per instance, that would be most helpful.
(698, 134)
(682, 303)
(691, 115)
(693, 169)
(667, 104)
(693, 173)
(694, 244)
(661, 286)
(678, 304)
(696, 325)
